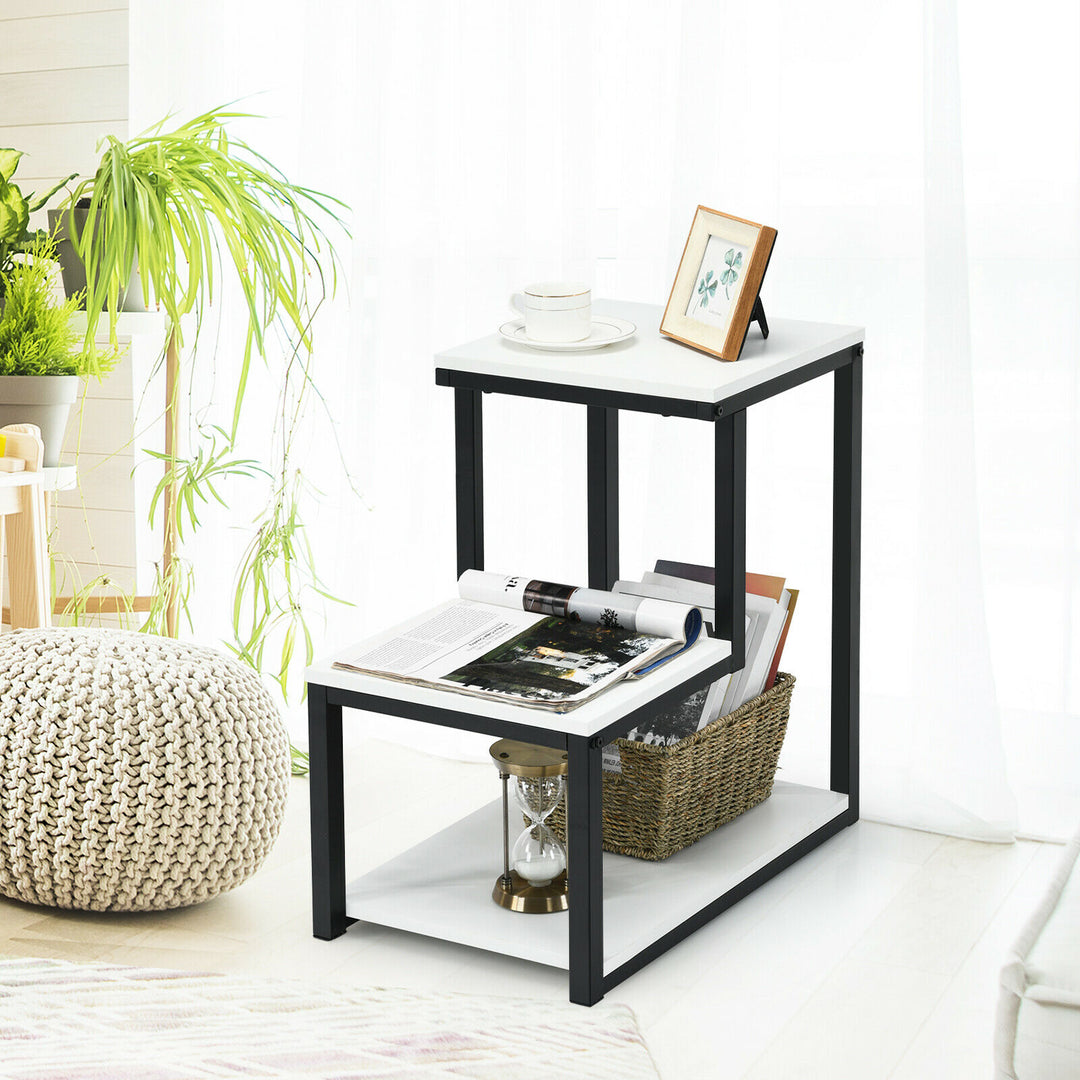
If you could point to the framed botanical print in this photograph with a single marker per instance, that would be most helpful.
(717, 283)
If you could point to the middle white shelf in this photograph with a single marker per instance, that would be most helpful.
(595, 715)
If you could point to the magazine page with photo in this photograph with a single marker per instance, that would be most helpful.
(553, 660)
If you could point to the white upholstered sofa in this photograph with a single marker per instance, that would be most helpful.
(1038, 1021)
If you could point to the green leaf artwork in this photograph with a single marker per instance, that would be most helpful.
(706, 289)
(731, 274)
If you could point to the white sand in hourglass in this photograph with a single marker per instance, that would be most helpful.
(543, 867)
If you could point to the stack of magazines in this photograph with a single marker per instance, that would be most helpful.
(769, 608)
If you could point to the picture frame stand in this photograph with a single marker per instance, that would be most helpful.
(758, 316)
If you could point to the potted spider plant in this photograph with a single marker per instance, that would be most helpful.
(183, 210)
(41, 356)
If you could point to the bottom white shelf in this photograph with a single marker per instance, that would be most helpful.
(442, 887)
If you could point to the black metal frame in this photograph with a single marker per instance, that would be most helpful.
(588, 983)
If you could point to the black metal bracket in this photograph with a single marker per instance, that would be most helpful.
(758, 316)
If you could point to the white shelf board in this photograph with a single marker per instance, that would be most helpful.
(51, 478)
(442, 887)
(60, 477)
(651, 364)
(21, 479)
(595, 715)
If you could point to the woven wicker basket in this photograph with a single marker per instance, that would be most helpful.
(668, 797)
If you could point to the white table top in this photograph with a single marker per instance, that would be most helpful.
(52, 478)
(653, 365)
(593, 716)
(20, 479)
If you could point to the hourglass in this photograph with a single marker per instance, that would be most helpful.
(534, 870)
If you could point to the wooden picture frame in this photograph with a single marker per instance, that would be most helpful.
(712, 300)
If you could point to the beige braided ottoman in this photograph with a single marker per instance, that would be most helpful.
(136, 772)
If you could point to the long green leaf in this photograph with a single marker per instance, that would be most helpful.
(36, 202)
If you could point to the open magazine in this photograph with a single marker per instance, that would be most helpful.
(531, 642)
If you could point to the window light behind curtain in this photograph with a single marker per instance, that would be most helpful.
(922, 166)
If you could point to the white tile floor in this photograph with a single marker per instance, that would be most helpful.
(875, 956)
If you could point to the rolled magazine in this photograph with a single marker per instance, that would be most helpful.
(645, 615)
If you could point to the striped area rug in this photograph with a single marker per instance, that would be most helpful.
(61, 1021)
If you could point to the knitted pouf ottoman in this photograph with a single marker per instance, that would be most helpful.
(136, 772)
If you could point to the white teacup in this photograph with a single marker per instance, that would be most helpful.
(555, 310)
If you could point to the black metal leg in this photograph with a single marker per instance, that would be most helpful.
(469, 460)
(325, 783)
(585, 872)
(602, 453)
(731, 533)
(846, 559)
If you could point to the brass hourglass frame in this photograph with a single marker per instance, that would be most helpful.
(525, 760)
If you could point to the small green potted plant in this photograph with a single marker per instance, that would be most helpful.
(15, 210)
(42, 356)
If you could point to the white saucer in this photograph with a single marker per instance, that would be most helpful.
(606, 330)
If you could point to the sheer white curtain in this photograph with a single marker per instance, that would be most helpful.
(922, 166)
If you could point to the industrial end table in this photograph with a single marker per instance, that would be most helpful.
(623, 912)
